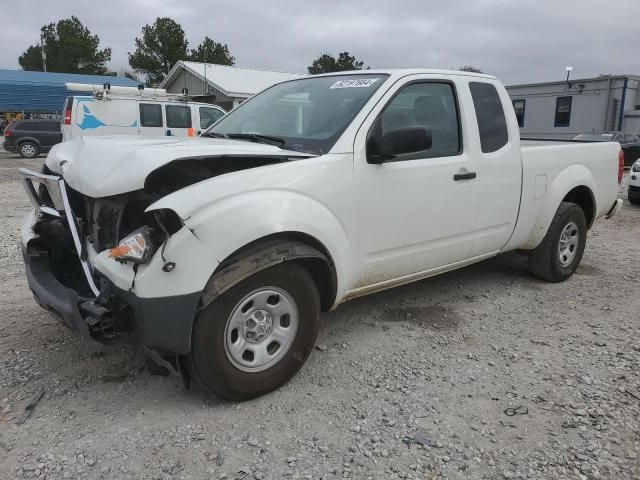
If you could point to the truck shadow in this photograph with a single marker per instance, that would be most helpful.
(432, 302)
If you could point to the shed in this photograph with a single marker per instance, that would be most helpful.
(223, 85)
(44, 92)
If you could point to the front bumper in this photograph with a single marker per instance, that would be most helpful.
(66, 283)
(161, 323)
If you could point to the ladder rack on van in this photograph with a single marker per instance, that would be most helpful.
(108, 92)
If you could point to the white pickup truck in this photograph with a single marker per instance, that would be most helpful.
(220, 252)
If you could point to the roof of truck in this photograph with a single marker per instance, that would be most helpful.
(402, 72)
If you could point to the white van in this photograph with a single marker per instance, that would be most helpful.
(136, 113)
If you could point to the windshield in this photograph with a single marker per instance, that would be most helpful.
(594, 137)
(306, 115)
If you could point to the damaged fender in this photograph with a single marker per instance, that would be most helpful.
(254, 260)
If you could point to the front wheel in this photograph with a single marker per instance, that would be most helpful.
(560, 252)
(634, 200)
(28, 150)
(254, 337)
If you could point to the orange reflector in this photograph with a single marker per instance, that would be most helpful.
(190, 132)
(119, 251)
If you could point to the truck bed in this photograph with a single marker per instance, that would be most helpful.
(549, 169)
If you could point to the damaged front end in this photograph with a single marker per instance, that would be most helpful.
(67, 229)
(105, 258)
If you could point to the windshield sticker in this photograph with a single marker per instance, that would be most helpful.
(356, 83)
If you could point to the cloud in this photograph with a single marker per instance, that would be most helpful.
(518, 41)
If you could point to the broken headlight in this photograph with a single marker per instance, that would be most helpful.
(138, 247)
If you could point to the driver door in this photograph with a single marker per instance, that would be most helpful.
(416, 211)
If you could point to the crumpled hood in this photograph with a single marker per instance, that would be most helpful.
(104, 166)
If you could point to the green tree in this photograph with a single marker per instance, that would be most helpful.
(470, 68)
(210, 51)
(327, 63)
(123, 72)
(69, 47)
(161, 46)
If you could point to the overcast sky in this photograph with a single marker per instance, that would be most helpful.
(518, 40)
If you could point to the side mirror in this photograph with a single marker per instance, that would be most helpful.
(400, 141)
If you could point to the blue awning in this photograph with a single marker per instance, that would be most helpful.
(24, 91)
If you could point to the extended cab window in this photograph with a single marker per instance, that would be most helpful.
(150, 115)
(430, 105)
(208, 116)
(492, 123)
(178, 116)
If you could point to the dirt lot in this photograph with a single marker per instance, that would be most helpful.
(409, 383)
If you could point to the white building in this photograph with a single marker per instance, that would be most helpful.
(565, 108)
(221, 84)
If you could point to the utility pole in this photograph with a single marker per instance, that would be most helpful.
(206, 85)
(44, 55)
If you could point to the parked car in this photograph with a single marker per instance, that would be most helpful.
(87, 116)
(221, 251)
(630, 143)
(634, 183)
(30, 138)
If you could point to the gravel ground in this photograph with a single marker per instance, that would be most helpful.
(409, 383)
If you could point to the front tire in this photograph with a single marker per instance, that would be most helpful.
(28, 150)
(559, 254)
(255, 337)
(634, 200)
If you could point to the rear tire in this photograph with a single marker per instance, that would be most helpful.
(559, 254)
(255, 337)
(28, 150)
(634, 201)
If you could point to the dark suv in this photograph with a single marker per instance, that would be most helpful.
(30, 138)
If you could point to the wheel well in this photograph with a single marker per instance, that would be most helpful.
(583, 197)
(27, 140)
(322, 270)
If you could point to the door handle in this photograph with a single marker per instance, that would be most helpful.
(464, 176)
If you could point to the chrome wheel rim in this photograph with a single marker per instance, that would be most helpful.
(28, 150)
(261, 329)
(568, 245)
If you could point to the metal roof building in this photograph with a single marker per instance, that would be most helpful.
(44, 92)
(221, 84)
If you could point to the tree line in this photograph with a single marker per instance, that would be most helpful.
(70, 47)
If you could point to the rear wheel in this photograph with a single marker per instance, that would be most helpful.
(560, 252)
(254, 337)
(28, 150)
(634, 200)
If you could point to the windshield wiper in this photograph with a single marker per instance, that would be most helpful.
(255, 137)
(214, 135)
